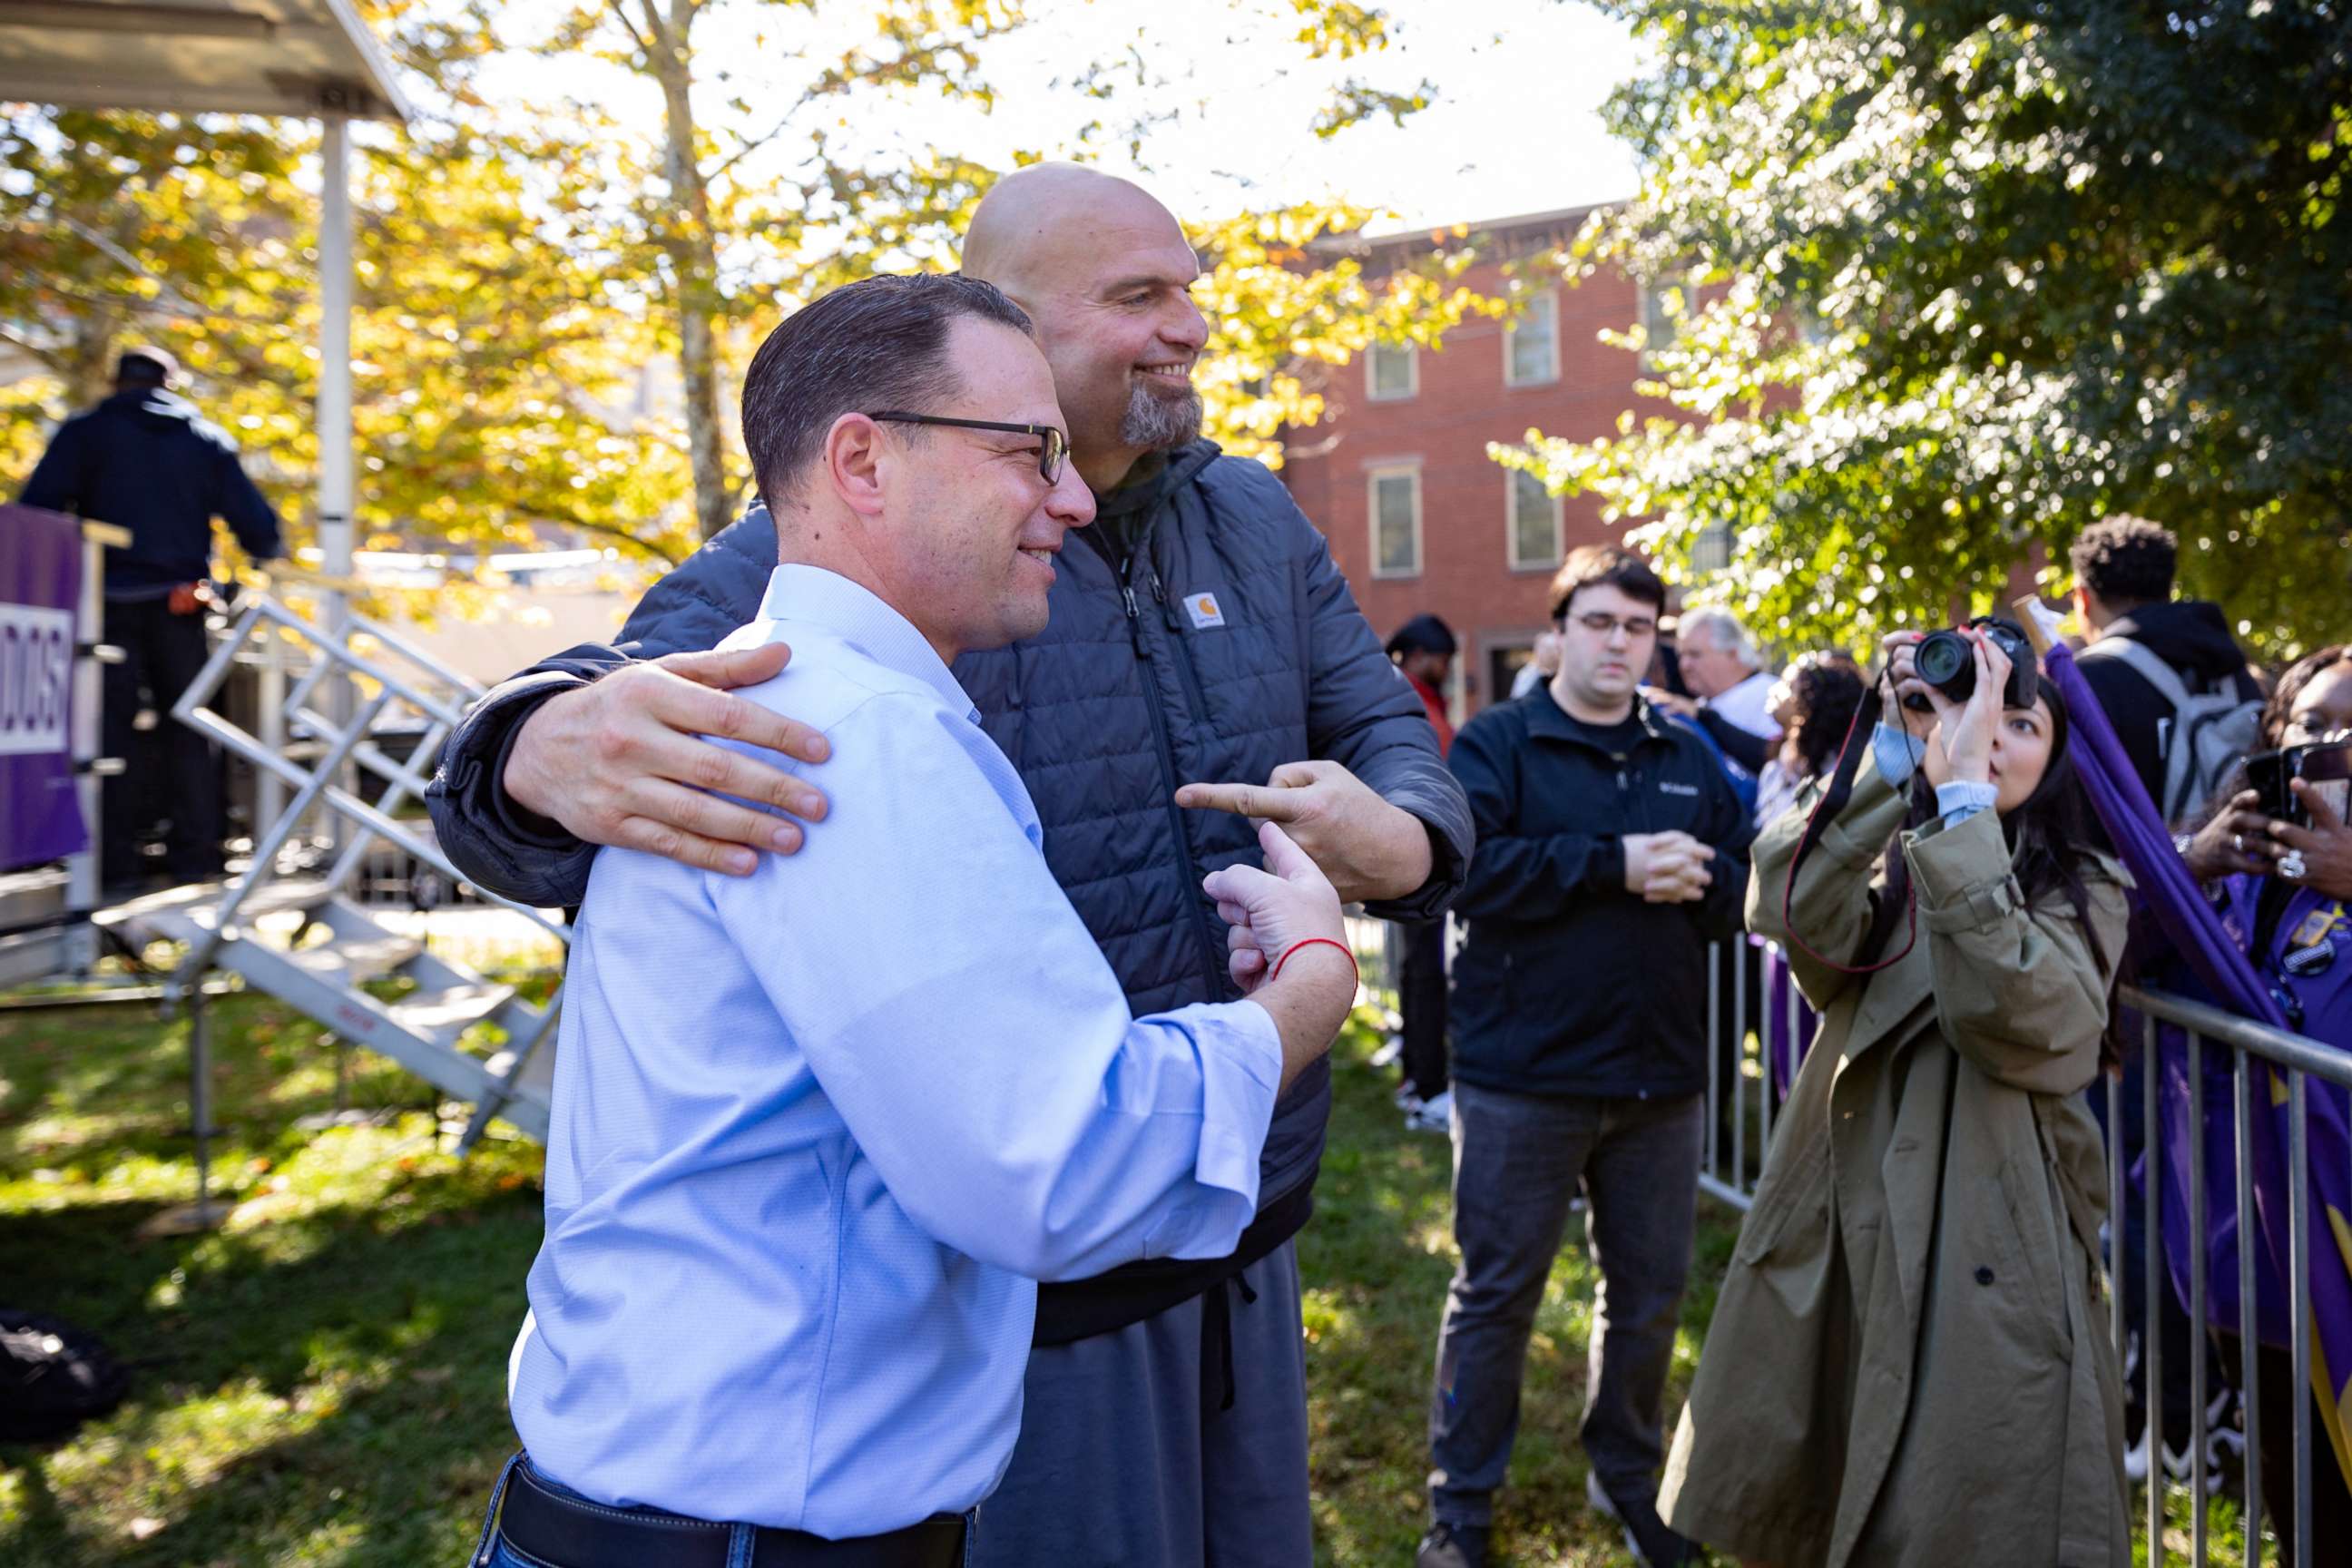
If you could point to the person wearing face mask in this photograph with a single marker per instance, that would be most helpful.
(1205, 670)
(2284, 890)
(1908, 1365)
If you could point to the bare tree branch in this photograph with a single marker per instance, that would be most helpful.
(611, 530)
(621, 15)
(49, 357)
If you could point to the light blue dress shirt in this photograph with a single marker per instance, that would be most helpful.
(1898, 752)
(818, 1130)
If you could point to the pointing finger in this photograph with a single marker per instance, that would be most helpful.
(1243, 800)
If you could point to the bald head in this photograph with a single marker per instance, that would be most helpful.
(1037, 221)
(1105, 273)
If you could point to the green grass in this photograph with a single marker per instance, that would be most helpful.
(1375, 1263)
(324, 1381)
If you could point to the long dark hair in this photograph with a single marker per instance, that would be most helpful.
(1827, 691)
(2051, 845)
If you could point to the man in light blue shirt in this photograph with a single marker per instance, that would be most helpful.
(818, 1131)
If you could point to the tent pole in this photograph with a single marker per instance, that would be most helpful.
(335, 348)
(335, 487)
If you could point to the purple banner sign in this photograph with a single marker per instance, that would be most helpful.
(40, 585)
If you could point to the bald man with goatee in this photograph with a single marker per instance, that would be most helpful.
(1203, 668)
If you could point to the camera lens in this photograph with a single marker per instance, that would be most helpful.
(1944, 657)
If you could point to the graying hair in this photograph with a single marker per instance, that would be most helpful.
(1723, 631)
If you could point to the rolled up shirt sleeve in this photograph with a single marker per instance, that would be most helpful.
(971, 1034)
(1957, 800)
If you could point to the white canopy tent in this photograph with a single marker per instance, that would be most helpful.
(308, 58)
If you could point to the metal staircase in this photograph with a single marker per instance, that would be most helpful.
(296, 931)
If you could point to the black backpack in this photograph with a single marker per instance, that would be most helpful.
(52, 1377)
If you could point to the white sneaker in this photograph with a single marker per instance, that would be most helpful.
(1434, 1114)
(2176, 1463)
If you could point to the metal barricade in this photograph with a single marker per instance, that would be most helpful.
(2271, 1072)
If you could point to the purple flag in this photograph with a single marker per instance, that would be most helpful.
(2171, 896)
(1785, 1050)
(40, 586)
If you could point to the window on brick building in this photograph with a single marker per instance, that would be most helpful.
(1711, 551)
(1534, 516)
(1395, 504)
(1531, 347)
(1658, 329)
(1391, 372)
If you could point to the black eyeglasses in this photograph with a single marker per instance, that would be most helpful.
(1600, 623)
(1053, 447)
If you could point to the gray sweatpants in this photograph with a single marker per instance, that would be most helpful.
(1128, 1459)
(1518, 1162)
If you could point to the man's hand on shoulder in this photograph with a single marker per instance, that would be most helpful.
(624, 760)
(1369, 848)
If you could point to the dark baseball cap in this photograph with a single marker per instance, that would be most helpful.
(146, 366)
(1423, 634)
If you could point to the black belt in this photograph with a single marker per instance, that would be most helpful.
(566, 1531)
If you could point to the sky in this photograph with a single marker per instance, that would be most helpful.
(1513, 126)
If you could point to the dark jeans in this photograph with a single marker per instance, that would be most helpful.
(1421, 998)
(1518, 1162)
(161, 656)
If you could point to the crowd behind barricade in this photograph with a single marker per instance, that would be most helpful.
(1964, 974)
(977, 1151)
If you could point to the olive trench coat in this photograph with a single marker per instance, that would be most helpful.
(1908, 1364)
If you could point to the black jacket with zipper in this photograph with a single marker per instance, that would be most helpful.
(1566, 984)
(144, 459)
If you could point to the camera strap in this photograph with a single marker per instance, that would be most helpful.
(1827, 810)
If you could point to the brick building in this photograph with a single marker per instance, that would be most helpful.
(1397, 475)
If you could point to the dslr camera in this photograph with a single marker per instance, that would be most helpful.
(1946, 661)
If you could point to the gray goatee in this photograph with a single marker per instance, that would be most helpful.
(1156, 422)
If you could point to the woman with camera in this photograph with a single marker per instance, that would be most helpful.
(2283, 888)
(1907, 1364)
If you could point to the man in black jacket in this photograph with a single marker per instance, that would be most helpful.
(144, 459)
(1611, 851)
(2123, 590)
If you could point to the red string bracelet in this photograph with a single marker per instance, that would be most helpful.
(1309, 941)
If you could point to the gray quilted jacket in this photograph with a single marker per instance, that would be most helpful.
(1200, 631)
